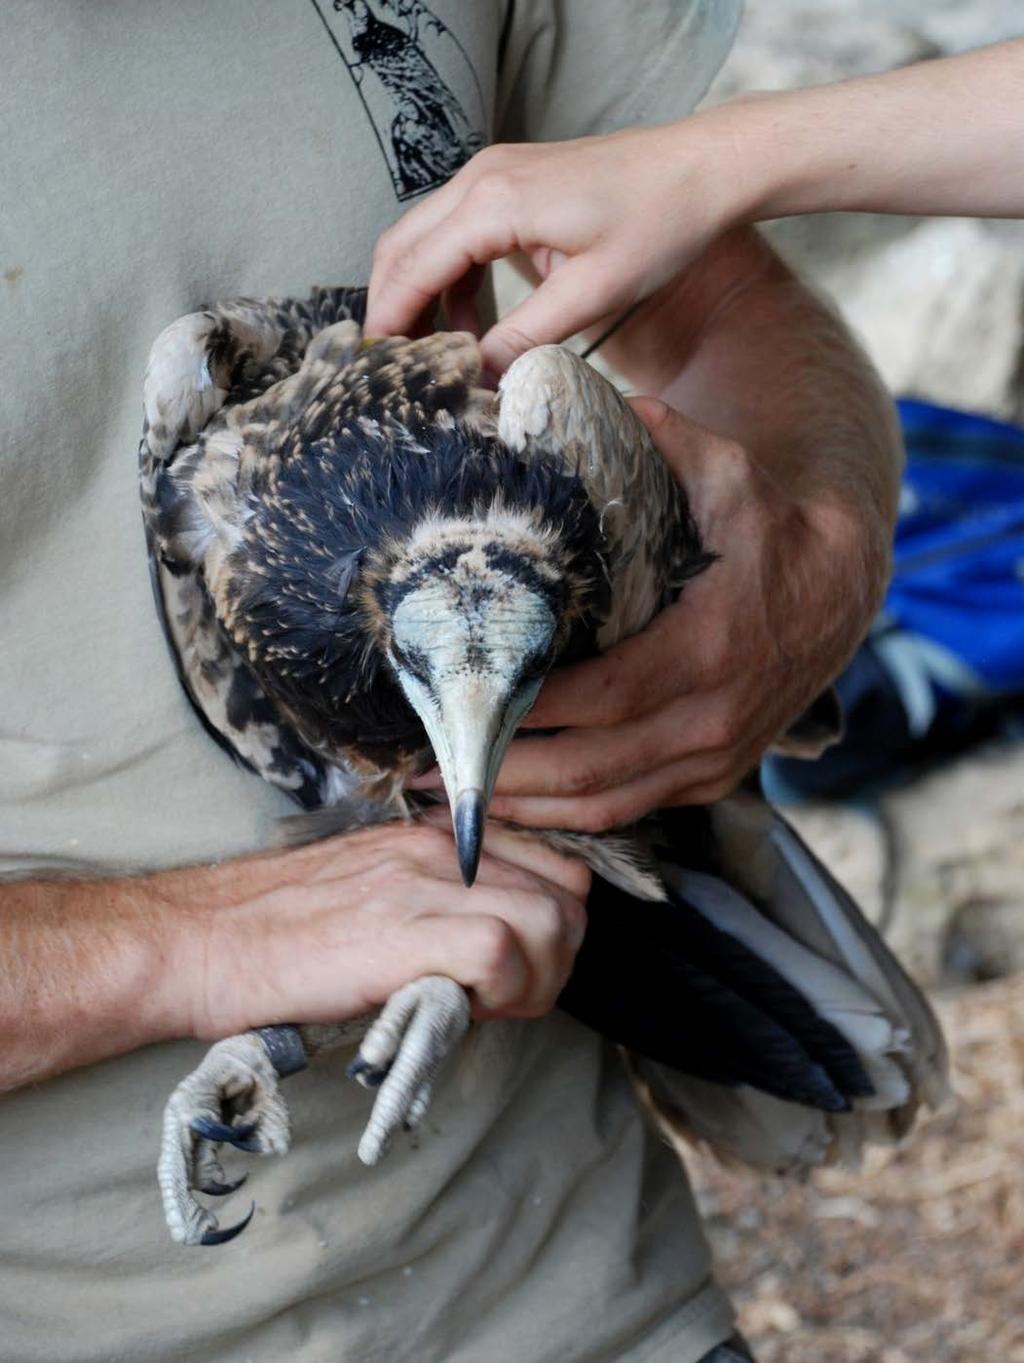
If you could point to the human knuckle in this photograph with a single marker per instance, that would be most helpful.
(403, 264)
(487, 159)
(722, 654)
(515, 337)
(616, 702)
(383, 247)
(721, 789)
(496, 948)
(550, 917)
(498, 186)
(573, 911)
(732, 458)
(571, 815)
(720, 729)
(585, 777)
(653, 412)
(537, 1004)
(603, 815)
(715, 788)
(576, 878)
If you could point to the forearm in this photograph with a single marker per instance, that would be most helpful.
(317, 934)
(738, 344)
(88, 971)
(939, 137)
(742, 347)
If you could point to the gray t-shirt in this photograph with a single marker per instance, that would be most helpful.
(155, 157)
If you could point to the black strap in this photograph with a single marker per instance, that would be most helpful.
(285, 1049)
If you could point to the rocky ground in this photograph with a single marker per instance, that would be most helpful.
(915, 1260)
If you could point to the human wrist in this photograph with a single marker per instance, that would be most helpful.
(791, 152)
(179, 912)
(751, 159)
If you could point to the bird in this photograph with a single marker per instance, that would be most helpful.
(365, 561)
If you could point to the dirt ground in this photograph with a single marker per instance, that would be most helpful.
(917, 1259)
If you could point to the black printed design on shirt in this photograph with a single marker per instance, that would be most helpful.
(417, 85)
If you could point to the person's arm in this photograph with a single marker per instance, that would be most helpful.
(793, 475)
(93, 969)
(939, 137)
(606, 221)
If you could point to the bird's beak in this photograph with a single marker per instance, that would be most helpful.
(470, 720)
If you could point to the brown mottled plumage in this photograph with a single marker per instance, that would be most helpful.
(364, 560)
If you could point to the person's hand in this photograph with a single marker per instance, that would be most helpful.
(606, 220)
(682, 711)
(327, 932)
(603, 220)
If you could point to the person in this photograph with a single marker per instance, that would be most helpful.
(608, 223)
(605, 221)
(176, 156)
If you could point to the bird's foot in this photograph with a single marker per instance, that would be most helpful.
(401, 1054)
(231, 1099)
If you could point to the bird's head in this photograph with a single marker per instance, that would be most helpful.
(384, 587)
(472, 612)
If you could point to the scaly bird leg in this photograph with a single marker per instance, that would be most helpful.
(233, 1097)
(401, 1054)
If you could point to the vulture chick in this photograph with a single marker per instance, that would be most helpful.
(363, 560)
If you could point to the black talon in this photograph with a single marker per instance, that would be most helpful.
(368, 1075)
(221, 1237)
(222, 1189)
(238, 1136)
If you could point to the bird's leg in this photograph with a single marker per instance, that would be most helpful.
(233, 1097)
(400, 1055)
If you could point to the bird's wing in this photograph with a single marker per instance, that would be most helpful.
(229, 354)
(216, 383)
(413, 383)
(763, 1014)
(553, 402)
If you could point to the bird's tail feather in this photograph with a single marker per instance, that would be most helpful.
(763, 1014)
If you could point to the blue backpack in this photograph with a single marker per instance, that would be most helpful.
(944, 662)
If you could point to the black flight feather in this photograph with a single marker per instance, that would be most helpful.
(681, 991)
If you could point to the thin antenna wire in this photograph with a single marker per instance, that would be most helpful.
(619, 321)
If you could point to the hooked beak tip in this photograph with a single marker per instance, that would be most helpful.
(468, 819)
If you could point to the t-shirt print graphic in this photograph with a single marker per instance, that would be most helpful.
(417, 85)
